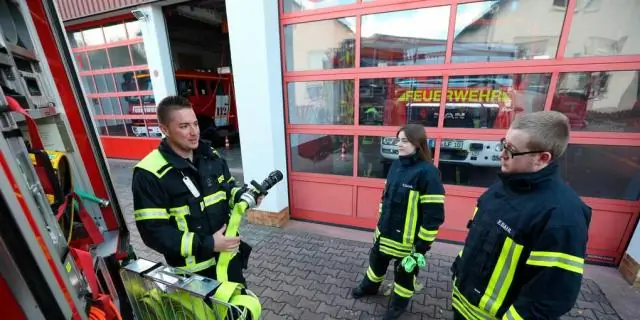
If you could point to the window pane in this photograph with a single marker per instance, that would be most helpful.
(88, 85)
(138, 54)
(507, 30)
(469, 162)
(185, 87)
(116, 127)
(93, 37)
(319, 153)
(332, 48)
(377, 153)
(600, 101)
(95, 105)
(321, 102)
(104, 83)
(98, 59)
(407, 37)
(126, 81)
(133, 30)
(493, 101)
(116, 32)
(610, 172)
(110, 106)
(298, 6)
(397, 101)
(119, 56)
(101, 125)
(82, 61)
(604, 28)
(75, 39)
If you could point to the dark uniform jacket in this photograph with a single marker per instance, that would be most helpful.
(524, 254)
(412, 207)
(169, 218)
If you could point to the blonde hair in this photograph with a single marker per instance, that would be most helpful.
(547, 130)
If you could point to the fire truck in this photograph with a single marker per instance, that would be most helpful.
(65, 248)
(211, 94)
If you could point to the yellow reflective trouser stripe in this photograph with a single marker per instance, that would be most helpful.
(186, 245)
(468, 310)
(474, 212)
(179, 214)
(394, 248)
(411, 218)
(501, 277)
(427, 235)
(556, 259)
(150, 214)
(512, 314)
(250, 303)
(402, 291)
(373, 277)
(432, 198)
(460, 253)
(225, 291)
(214, 198)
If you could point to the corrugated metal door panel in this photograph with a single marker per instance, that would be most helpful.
(75, 9)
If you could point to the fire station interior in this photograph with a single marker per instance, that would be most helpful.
(199, 42)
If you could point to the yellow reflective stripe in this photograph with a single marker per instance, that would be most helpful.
(250, 303)
(501, 277)
(379, 209)
(427, 235)
(460, 253)
(393, 252)
(155, 163)
(196, 267)
(512, 314)
(221, 179)
(233, 196)
(231, 178)
(411, 218)
(214, 198)
(556, 259)
(150, 214)
(373, 277)
(432, 198)
(470, 311)
(402, 291)
(186, 244)
(179, 213)
(395, 245)
(474, 212)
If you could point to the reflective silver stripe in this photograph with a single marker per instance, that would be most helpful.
(214, 198)
(195, 267)
(184, 210)
(427, 235)
(556, 259)
(179, 213)
(149, 214)
(432, 198)
(186, 245)
(512, 314)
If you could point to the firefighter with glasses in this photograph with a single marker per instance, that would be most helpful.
(524, 253)
(411, 211)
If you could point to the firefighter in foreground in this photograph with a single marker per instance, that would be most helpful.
(182, 196)
(411, 211)
(524, 254)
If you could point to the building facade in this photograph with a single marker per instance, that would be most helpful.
(321, 87)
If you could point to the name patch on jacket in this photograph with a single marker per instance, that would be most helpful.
(505, 227)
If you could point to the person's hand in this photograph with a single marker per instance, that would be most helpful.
(221, 243)
(259, 200)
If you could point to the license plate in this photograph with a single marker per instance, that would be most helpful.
(452, 144)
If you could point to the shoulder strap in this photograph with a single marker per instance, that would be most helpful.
(155, 163)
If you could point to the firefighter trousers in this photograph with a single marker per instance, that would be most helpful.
(403, 281)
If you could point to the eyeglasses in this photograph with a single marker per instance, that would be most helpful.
(512, 153)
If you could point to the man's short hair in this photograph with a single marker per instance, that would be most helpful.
(547, 130)
(168, 105)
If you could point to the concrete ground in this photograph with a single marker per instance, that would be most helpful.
(306, 271)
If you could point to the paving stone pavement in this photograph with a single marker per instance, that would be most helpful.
(300, 275)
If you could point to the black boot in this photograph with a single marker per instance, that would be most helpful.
(365, 288)
(393, 313)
